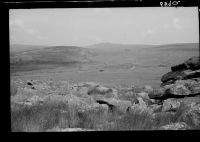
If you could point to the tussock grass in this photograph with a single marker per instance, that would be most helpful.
(41, 118)
(36, 118)
(136, 121)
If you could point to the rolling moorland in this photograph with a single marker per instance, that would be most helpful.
(105, 87)
(105, 62)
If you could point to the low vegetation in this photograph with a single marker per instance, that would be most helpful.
(43, 117)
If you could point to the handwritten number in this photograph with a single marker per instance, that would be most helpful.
(165, 4)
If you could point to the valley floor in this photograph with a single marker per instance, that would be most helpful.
(138, 76)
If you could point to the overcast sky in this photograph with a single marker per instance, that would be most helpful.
(86, 26)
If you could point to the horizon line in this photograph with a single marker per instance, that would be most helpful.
(107, 43)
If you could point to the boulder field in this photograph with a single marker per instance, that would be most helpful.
(180, 87)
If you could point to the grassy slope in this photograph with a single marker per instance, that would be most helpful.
(25, 60)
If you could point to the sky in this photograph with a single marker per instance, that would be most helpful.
(87, 26)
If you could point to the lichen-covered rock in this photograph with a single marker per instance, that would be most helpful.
(185, 87)
(190, 84)
(179, 89)
(175, 126)
(170, 105)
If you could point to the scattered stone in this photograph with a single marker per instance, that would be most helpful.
(179, 89)
(115, 104)
(29, 83)
(99, 90)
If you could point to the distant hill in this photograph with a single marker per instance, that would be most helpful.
(113, 46)
(179, 47)
(52, 55)
(24, 47)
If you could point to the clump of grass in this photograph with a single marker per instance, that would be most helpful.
(162, 118)
(133, 121)
(91, 119)
(43, 117)
(36, 118)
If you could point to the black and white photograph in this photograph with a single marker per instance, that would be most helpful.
(104, 69)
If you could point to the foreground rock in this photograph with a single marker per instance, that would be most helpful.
(182, 81)
(116, 105)
(170, 105)
(171, 77)
(185, 87)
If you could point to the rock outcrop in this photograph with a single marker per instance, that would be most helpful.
(187, 70)
(192, 63)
